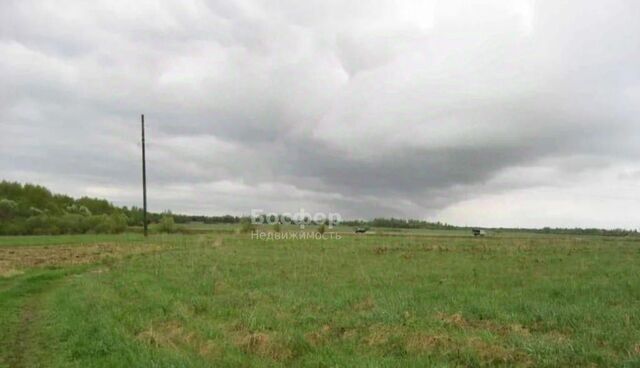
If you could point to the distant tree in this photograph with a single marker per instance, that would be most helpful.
(78, 210)
(8, 209)
(96, 206)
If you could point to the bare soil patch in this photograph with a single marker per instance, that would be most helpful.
(14, 260)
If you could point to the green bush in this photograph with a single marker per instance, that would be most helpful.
(38, 225)
(15, 227)
(119, 221)
(167, 225)
(72, 224)
(103, 225)
(247, 227)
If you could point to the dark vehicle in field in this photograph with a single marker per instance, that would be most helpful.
(361, 230)
(479, 232)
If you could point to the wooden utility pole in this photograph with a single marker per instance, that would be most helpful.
(144, 183)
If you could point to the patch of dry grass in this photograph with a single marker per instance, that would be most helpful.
(14, 260)
(321, 336)
(173, 335)
(498, 354)
(366, 304)
(263, 344)
(421, 342)
(378, 335)
(458, 321)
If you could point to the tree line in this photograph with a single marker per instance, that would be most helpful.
(28, 209)
(396, 223)
(401, 224)
(33, 209)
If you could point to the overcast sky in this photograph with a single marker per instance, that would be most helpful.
(493, 113)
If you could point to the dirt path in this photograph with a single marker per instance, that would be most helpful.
(22, 340)
(19, 347)
(21, 344)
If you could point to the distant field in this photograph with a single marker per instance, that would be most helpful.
(339, 228)
(222, 299)
(44, 240)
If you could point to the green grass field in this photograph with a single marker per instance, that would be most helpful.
(226, 300)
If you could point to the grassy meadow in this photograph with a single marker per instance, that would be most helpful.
(377, 300)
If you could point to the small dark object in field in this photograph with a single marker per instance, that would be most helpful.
(479, 232)
(361, 230)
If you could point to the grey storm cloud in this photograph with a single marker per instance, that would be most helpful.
(465, 111)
